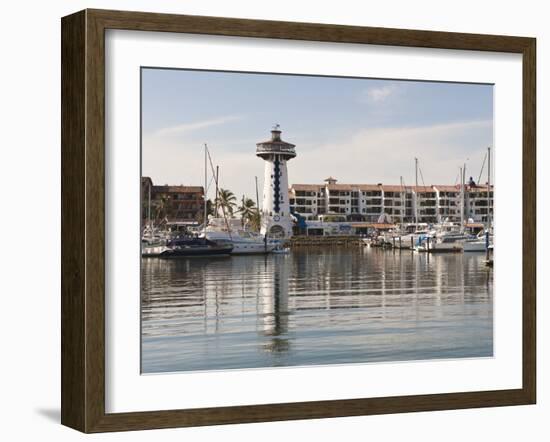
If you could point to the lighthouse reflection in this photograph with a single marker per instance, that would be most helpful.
(274, 307)
(314, 307)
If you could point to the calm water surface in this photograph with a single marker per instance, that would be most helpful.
(314, 307)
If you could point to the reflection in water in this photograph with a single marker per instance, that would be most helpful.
(313, 307)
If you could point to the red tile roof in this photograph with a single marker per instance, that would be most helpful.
(178, 189)
(447, 188)
(310, 187)
(421, 189)
(393, 188)
(367, 187)
(340, 187)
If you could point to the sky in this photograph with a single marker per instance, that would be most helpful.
(357, 130)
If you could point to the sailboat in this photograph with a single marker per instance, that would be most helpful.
(448, 236)
(484, 240)
(153, 240)
(230, 231)
(187, 246)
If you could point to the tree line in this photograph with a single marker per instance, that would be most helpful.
(227, 206)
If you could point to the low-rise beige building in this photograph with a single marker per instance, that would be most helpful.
(402, 204)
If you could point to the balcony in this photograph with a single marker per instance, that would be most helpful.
(265, 150)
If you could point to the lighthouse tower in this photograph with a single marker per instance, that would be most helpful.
(276, 220)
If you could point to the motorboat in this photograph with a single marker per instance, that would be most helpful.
(186, 247)
(243, 241)
(477, 244)
(412, 235)
(450, 242)
(447, 237)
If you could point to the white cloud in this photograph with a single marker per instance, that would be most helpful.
(385, 154)
(379, 94)
(190, 127)
(180, 160)
(366, 156)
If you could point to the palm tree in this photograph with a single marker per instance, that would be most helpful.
(226, 201)
(160, 207)
(247, 209)
(255, 221)
(199, 217)
(210, 207)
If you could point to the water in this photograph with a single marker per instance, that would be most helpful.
(314, 307)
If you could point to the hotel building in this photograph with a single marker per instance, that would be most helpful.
(172, 203)
(401, 204)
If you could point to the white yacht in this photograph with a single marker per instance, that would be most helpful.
(412, 234)
(448, 242)
(244, 241)
(448, 237)
(478, 244)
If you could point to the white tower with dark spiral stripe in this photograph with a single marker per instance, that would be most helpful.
(276, 220)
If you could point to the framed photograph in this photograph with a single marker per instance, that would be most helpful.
(269, 220)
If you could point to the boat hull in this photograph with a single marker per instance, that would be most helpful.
(241, 246)
(444, 248)
(152, 251)
(476, 246)
(250, 249)
(196, 252)
(441, 248)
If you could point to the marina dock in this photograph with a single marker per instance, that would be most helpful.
(323, 241)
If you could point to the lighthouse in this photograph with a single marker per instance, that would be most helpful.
(276, 220)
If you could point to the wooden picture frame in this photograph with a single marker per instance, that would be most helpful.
(83, 220)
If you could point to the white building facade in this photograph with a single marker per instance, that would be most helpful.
(401, 204)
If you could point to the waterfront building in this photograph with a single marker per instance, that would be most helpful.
(351, 202)
(333, 201)
(448, 202)
(425, 199)
(478, 203)
(307, 200)
(276, 218)
(397, 202)
(173, 204)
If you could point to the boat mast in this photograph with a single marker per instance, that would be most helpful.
(402, 201)
(205, 185)
(461, 197)
(149, 209)
(216, 176)
(488, 188)
(216, 200)
(416, 192)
